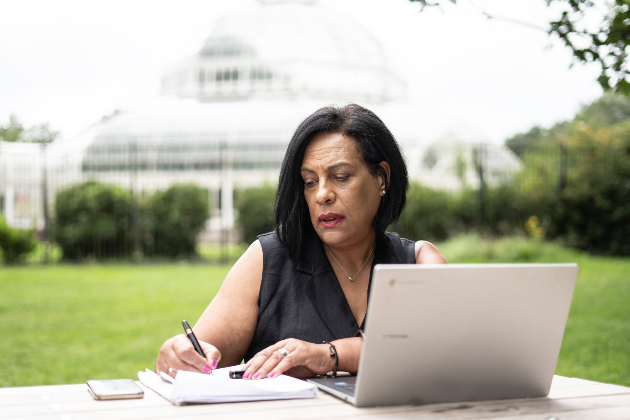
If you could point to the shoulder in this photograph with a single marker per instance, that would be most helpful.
(427, 253)
(403, 249)
(274, 253)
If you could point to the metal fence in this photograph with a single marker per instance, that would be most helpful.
(32, 175)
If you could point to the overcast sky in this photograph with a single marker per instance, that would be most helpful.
(70, 62)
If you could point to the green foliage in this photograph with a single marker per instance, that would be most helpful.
(594, 210)
(538, 139)
(255, 211)
(609, 109)
(173, 219)
(576, 177)
(93, 220)
(607, 46)
(15, 243)
(13, 131)
(429, 214)
(437, 215)
(522, 142)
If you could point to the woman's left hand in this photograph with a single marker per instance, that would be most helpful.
(303, 361)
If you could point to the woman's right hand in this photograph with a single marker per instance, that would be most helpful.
(178, 353)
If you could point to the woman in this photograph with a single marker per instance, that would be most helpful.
(295, 302)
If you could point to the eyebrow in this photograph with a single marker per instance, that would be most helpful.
(331, 167)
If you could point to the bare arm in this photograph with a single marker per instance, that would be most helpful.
(427, 253)
(226, 328)
(229, 322)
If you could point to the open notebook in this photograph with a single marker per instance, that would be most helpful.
(194, 388)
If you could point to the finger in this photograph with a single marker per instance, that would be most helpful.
(187, 355)
(213, 355)
(260, 358)
(272, 364)
(177, 365)
(282, 367)
(255, 363)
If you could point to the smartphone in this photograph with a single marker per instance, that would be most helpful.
(114, 389)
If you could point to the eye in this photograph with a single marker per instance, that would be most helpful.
(310, 184)
(342, 178)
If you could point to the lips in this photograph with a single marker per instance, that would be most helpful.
(330, 219)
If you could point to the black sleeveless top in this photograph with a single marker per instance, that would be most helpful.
(303, 299)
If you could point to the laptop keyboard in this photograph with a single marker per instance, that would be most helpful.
(347, 386)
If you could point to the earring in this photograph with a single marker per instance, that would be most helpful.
(383, 192)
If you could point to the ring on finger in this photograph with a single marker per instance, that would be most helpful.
(171, 371)
(283, 352)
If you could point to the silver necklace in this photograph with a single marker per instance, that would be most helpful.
(355, 276)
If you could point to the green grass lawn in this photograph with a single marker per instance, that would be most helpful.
(67, 324)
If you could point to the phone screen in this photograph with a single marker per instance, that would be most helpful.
(113, 389)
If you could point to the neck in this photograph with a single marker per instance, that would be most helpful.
(352, 257)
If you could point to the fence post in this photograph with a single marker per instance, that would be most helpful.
(478, 154)
(562, 176)
(46, 232)
(222, 204)
(135, 216)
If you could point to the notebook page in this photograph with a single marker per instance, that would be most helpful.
(197, 387)
(154, 382)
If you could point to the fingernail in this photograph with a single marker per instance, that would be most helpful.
(256, 375)
(246, 375)
(207, 369)
(214, 363)
(271, 374)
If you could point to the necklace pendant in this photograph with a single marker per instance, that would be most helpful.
(352, 278)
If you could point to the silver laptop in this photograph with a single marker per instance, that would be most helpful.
(459, 332)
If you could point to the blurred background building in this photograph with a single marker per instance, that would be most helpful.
(228, 112)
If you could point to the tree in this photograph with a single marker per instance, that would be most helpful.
(608, 46)
(12, 132)
(15, 132)
(609, 109)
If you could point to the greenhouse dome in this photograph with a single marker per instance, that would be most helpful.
(228, 112)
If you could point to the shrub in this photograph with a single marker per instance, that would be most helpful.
(436, 215)
(255, 211)
(15, 243)
(429, 214)
(594, 211)
(93, 220)
(173, 219)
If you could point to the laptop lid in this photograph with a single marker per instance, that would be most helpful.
(440, 333)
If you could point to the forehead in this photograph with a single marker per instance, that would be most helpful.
(329, 147)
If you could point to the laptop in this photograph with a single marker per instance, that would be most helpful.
(459, 332)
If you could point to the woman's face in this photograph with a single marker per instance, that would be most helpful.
(342, 195)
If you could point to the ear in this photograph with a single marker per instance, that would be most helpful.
(384, 182)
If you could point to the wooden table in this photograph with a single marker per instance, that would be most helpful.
(570, 398)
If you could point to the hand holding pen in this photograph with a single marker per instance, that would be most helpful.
(191, 336)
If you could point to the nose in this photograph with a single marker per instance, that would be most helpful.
(324, 193)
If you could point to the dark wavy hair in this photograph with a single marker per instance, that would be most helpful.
(375, 143)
